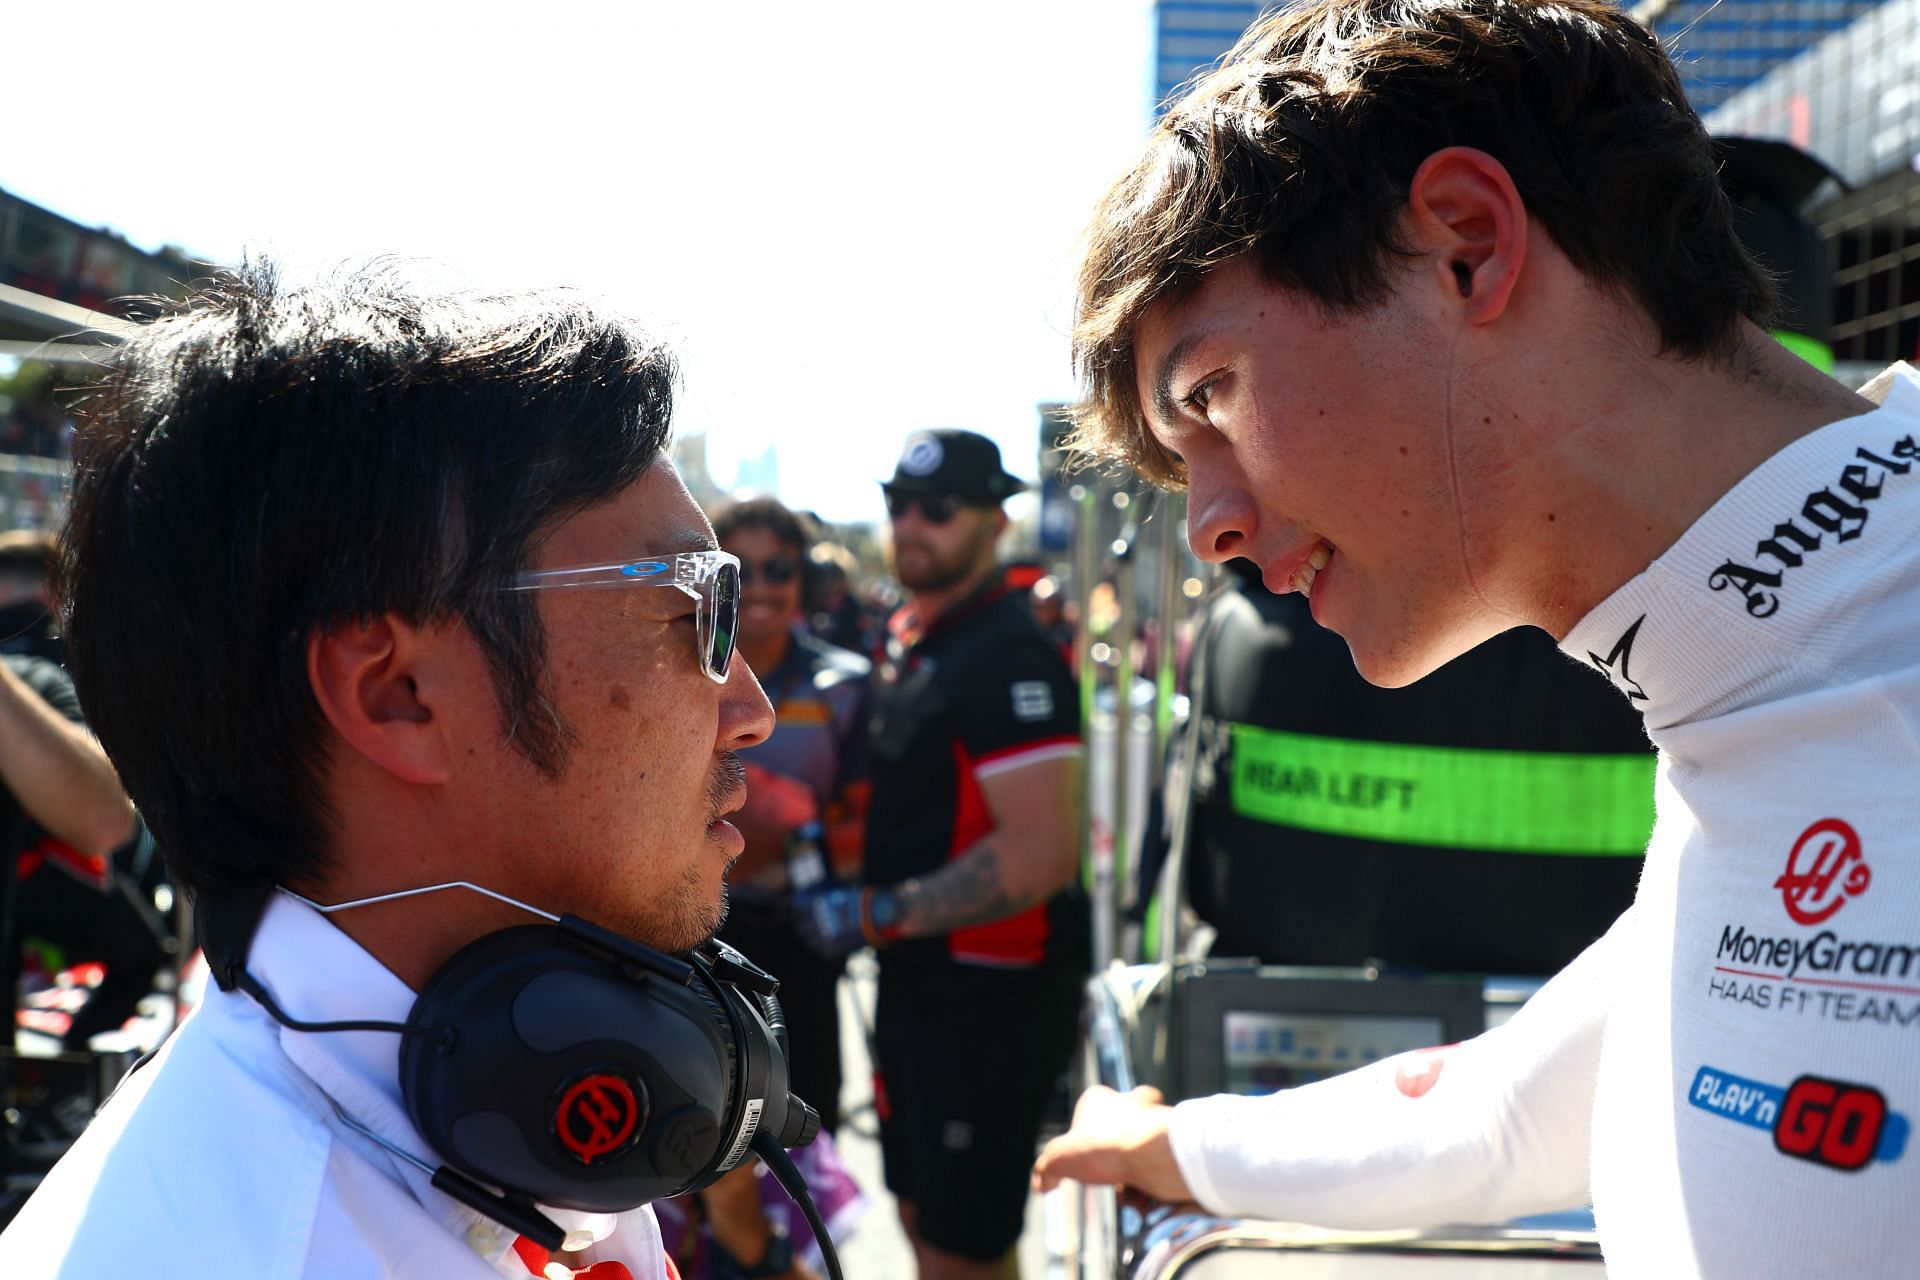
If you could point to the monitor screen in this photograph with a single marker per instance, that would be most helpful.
(1268, 1051)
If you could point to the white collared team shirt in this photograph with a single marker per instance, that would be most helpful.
(224, 1155)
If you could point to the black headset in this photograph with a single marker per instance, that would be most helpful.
(568, 1065)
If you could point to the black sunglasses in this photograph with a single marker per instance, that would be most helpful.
(779, 571)
(935, 508)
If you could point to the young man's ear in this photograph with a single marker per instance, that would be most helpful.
(1467, 217)
(365, 676)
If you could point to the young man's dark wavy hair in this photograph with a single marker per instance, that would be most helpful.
(1301, 147)
(266, 462)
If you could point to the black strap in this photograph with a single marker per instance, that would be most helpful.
(226, 918)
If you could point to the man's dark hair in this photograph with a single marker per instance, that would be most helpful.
(267, 462)
(1301, 148)
(764, 513)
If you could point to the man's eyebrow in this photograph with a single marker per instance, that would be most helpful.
(1164, 406)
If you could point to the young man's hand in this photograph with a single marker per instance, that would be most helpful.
(1117, 1139)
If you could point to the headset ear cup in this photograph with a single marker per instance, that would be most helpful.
(759, 1097)
(725, 1107)
(568, 1076)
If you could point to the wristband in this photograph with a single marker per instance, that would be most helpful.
(877, 935)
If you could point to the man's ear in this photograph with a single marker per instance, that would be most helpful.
(363, 675)
(1467, 218)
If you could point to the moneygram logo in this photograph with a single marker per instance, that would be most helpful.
(1824, 869)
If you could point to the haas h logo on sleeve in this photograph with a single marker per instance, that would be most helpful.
(1824, 869)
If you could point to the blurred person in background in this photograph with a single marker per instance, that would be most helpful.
(78, 906)
(971, 896)
(83, 889)
(27, 623)
(805, 816)
(62, 813)
(835, 612)
(1050, 612)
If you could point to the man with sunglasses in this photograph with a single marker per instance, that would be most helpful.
(368, 591)
(971, 854)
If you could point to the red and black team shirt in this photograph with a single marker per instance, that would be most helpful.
(980, 691)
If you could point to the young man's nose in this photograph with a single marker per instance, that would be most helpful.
(1219, 525)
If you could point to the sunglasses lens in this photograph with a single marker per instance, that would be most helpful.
(935, 508)
(726, 621)
(779, 571)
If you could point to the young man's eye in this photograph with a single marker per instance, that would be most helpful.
(1198, 398)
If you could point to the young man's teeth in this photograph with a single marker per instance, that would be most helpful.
(1316, 561)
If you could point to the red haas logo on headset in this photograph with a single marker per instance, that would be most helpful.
(1823, 871)
(597, 1117)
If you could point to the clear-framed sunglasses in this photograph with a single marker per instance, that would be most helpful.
(712, 578)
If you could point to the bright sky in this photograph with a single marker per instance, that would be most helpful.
(855, 218)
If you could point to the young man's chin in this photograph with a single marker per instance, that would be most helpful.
(1396, 666)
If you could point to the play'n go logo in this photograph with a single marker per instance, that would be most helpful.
(1824, 869)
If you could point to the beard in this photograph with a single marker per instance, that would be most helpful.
(693, 917)
(685, 917)
(930, 570)
(690, 912)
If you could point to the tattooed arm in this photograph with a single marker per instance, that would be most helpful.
(1032, 853)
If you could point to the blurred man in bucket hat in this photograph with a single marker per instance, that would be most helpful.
(971, 853)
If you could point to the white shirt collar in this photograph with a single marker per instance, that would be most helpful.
(317, 973)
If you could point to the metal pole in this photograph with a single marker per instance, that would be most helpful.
(1086, 566)
(1125, 622)
(1171, 513)
(1180, 818)
(1095, 870)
